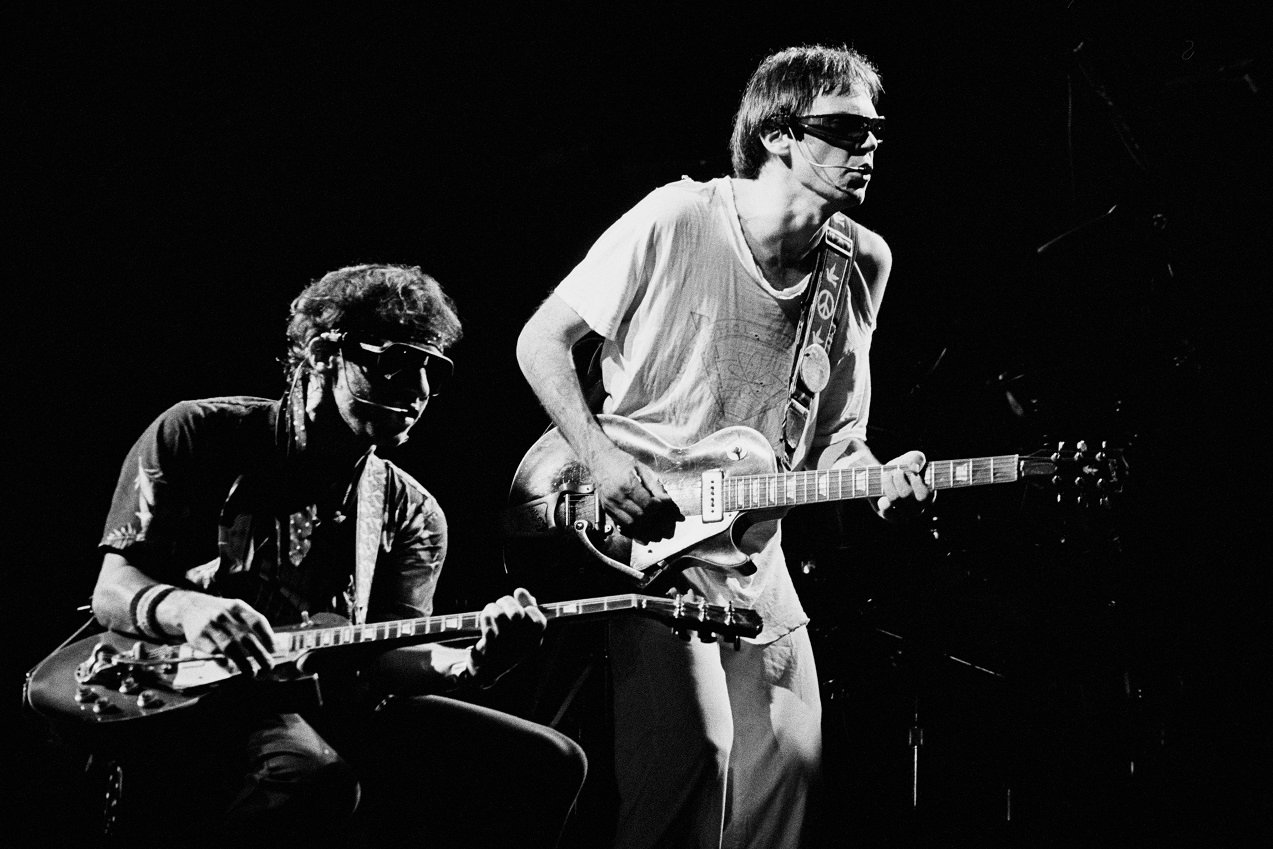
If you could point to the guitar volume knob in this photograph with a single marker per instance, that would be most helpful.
(149, 700)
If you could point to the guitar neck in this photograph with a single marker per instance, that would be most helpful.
(431, 628)
(792, 489)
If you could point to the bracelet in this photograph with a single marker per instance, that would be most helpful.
(142, 609)
(132, 607)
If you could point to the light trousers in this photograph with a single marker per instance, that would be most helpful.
(714, 747)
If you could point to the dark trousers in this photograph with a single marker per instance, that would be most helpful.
(423, 771)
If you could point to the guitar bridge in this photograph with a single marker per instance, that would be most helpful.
(583, 505)
(100, 667)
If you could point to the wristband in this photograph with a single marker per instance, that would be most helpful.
(143, 608)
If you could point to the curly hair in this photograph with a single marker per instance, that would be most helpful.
(378, 301)
(785, 85)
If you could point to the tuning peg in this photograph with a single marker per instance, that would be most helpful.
(707, 636)
(1105, 502)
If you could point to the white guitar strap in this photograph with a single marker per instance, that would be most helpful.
(367, 533)
(812, 366)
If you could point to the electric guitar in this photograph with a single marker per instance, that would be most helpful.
(727, 482)
(113, 679)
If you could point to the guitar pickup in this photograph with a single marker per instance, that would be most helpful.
(713, 506)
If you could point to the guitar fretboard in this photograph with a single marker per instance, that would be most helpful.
(458, 624)
(790, 489)
(695, 615)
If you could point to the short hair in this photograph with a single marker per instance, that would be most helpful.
(785, 85)
(381, 301)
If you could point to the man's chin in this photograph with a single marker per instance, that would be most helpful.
(395, 434)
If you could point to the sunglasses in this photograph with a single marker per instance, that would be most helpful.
(841, 129)
(392, 359)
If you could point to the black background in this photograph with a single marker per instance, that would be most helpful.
(178, 174)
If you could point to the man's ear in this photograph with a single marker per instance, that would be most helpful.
(777, 140)
(323, 349)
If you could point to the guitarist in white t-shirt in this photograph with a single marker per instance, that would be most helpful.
(698, 292)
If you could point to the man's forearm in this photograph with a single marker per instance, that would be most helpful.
(848, 452)
(550, 370)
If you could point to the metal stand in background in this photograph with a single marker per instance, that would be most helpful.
(919, 666)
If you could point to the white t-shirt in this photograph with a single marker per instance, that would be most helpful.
(697, 340)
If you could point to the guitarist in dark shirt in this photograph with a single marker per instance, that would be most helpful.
(236, 516)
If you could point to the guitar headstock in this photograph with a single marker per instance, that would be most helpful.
(1080, 474)
(689, 616)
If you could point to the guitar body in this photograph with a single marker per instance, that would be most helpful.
(552, 490)
(107, 680)
(96, 710)
(60, 688)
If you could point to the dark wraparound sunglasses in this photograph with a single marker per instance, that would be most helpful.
(391, 359)
(841, 129)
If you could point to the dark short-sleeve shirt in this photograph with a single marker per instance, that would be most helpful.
(208, 498)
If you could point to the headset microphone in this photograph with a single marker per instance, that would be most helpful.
(334, 338)
(367, 402)
(379, 406)
(804, 154)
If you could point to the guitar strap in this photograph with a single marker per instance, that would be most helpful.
(368, 533)
(236, 540)
(812, 366)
